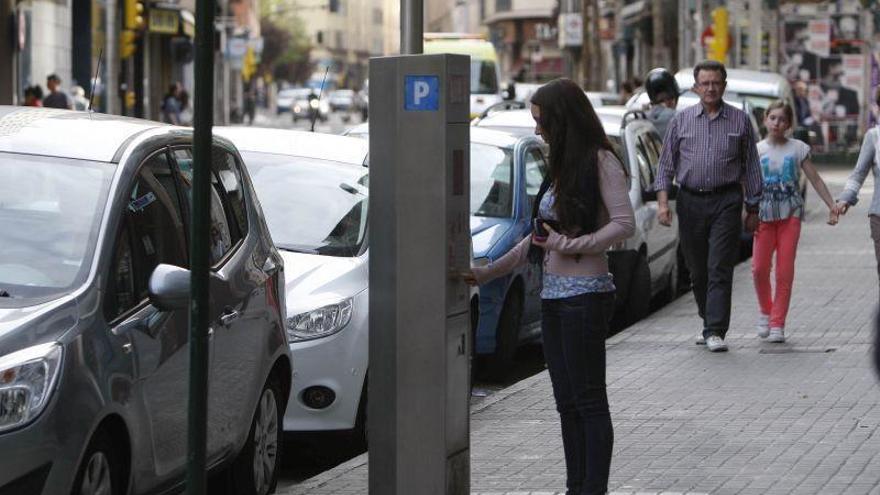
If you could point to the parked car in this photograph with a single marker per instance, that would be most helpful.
(286, 97)
(314, 189)
(506, 172)
(649, 263)
(341, 100)
(94, 311)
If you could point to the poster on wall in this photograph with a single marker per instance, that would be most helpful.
(825, 60)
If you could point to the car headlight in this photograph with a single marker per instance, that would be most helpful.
(27, 378)
(477, 262)
(320, 322)
(314, 104)
(297, 109)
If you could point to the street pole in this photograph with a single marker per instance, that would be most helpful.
(196, 480)
(412, 26)
(111, 71)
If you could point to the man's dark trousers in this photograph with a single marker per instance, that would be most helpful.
(710, 225)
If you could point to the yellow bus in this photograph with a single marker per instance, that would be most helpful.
(485, 75)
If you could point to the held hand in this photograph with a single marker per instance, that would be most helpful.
(751, 222)
(834, 215)
(664, 215)
(842, 207)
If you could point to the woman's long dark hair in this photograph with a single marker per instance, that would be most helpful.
(575, 136)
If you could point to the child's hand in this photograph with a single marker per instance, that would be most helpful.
(833, 215)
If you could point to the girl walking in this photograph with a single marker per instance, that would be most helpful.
(782, 210)
(582, 208)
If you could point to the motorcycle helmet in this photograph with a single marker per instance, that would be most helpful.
(661, 85)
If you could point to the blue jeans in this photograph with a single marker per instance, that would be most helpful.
(574, 330)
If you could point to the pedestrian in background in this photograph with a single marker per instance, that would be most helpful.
(171, 105)
(780, 215)
(56, 98)
(869, 160)
(710, 150)
(585, 196)
(663, 92)
(33, 96)
(185, 110)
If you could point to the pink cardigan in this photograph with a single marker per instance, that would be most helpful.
(616, 222)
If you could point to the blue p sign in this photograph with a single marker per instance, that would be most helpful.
(421, 93)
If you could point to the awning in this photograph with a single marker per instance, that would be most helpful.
(632, 11)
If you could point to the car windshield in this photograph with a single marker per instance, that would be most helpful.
(484, 80)
(50, 210)
(311, 206)
(491, 181)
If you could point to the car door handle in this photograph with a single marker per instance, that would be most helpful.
(229, 315)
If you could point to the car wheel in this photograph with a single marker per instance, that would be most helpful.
(101, 470)
(255, 470)
(507, 337)
(639, 301)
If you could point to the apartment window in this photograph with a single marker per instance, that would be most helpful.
(377, 16)
(340, 39)
(502, 5)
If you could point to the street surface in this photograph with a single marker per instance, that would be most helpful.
(800, 417)
(335, 123)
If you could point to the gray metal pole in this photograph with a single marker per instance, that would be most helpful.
(412, 27)
(196, 481)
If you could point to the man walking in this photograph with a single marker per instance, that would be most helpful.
(710, 150)
(56, 98)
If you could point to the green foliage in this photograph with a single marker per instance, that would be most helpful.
(286, 45)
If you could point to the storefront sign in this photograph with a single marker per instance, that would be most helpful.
(164, 21)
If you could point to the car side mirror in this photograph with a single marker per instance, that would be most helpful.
(508, 91)
(169, 287)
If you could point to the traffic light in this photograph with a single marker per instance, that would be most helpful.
(134, 15)
(720, 43)
(127, 43)
(248, 65)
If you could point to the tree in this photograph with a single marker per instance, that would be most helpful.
(286, 45)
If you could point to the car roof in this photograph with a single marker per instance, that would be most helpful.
(750, 82)
(503, 138)
(297, 143)
(68, 133)
(610, 116)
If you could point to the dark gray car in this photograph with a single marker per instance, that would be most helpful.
(94, 287)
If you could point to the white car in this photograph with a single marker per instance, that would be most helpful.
(313, 191)
(647, 264)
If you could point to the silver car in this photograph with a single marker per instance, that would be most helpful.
(94, 309)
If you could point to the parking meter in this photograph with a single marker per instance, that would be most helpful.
(418, 417)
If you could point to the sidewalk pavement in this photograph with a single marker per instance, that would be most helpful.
(800, 417)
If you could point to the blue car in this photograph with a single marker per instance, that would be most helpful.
(506, 172)
(507, 169)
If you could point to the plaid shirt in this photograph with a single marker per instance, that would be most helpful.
(705, 153)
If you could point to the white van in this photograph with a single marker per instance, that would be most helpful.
(485, 75)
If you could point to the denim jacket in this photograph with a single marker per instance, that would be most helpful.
(869, 159)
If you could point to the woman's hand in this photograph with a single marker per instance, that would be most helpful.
(542, 241)
(469, 278)
(842, 207)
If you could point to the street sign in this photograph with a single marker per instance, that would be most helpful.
(421, 93)
(571, 31)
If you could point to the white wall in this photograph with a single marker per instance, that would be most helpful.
(51, 41)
